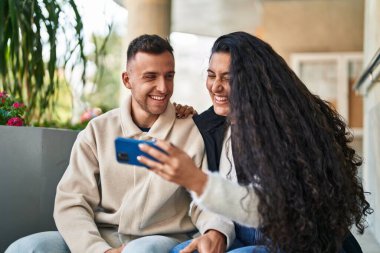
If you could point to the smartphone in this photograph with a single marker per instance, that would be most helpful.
(127, 150)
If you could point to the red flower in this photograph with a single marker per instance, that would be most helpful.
(15, 121)
(89, 114)
(17, 105)
(3, 94)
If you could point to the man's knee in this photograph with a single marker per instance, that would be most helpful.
(153, 244)
(39, 243)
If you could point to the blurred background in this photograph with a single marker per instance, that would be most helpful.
(332, 45)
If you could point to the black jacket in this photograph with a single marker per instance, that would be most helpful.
(212, 128)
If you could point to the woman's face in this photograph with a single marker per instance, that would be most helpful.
(218, 85)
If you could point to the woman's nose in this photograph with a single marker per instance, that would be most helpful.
(217, 86)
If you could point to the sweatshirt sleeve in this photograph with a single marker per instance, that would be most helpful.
(76, 199)
(236, 202)
(207, 219)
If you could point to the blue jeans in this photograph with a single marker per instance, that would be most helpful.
(53, 242)
(42, 242)
(245, 242)
(247, 235)
(235, 248)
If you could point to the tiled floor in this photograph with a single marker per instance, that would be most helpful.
(368, 242)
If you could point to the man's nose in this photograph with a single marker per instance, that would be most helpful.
(162, 85)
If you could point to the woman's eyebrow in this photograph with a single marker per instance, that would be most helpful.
(223, 74)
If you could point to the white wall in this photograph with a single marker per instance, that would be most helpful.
(371, 171)
(191, 54)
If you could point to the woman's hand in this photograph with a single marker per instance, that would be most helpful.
(175, 166)
(184, 111)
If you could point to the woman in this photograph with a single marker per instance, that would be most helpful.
(297, 175)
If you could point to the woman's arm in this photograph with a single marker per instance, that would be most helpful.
(234, 201)
(210, 191)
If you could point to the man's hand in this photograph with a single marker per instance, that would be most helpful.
(117, 250)
(211, 242)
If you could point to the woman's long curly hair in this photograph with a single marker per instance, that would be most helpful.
(293, 148)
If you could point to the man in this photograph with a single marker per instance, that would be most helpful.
(103, 206)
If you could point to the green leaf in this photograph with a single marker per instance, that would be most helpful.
(24, 72)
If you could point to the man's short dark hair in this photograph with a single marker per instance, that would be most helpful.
(152, 44)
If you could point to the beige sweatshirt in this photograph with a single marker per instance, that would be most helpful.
(96, 191)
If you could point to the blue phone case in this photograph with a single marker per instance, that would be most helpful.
(127, 150)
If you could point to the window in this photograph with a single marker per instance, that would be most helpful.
(332, 76)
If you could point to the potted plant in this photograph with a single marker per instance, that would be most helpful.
(11, 111)
(33, 158)
(30, 67)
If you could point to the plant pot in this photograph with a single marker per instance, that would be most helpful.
(32, 161)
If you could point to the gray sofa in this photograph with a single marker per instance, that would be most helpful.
(32, 161)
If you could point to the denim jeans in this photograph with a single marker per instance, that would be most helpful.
(53, 242)
(247, 235)
(42, 242)
(235, 248)
(245, 242)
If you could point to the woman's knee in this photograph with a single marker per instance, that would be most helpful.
(180, 247)
(250, 249)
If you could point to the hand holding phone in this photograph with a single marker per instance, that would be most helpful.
(127, 150)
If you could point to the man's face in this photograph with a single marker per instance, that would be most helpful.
(150, 79)
(218, 82)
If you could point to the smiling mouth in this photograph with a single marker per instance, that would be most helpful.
(220, 99)
(157, 98)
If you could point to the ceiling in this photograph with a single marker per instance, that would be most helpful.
(213, 18)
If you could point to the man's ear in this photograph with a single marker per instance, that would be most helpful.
(125, 78)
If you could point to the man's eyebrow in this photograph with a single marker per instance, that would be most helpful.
(150, 73)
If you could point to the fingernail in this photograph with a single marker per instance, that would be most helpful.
(138, 158)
